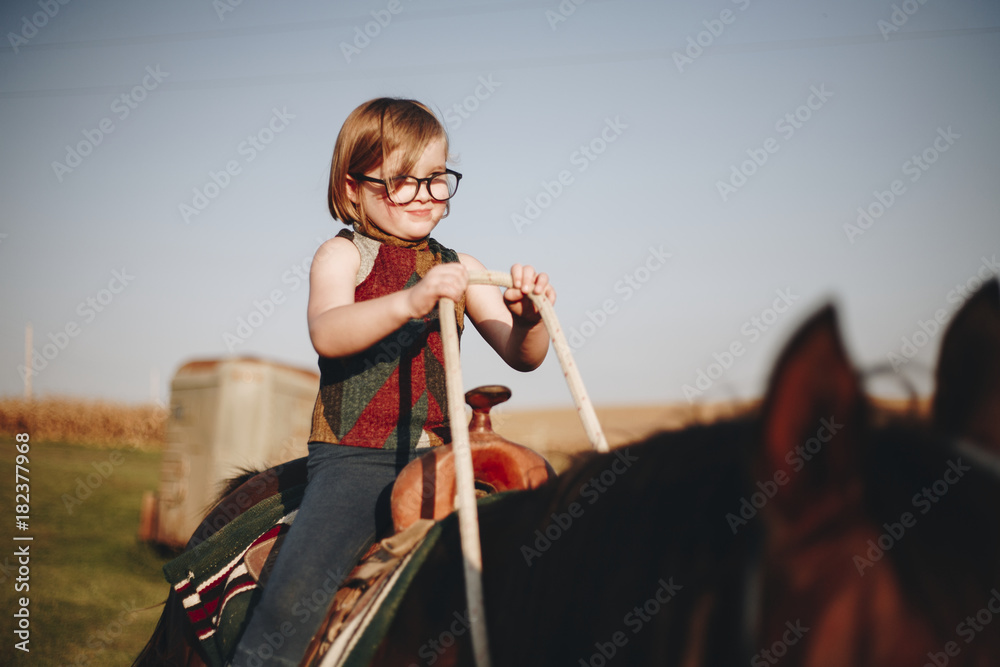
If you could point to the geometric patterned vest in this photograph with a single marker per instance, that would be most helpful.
(392, 395)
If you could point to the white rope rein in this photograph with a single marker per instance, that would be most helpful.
(468, 519)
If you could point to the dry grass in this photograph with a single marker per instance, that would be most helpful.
(558, 434)
(82, 421)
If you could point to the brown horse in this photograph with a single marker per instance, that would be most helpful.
(814, 533)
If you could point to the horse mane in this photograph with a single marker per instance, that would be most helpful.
(227, 486)
(172, 641)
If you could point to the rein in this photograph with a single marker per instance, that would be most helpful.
(468, 519)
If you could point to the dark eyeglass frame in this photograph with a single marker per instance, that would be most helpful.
(420, 181)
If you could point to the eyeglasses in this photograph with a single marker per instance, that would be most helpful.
(404, 189)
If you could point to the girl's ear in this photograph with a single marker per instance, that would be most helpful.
(352, 187)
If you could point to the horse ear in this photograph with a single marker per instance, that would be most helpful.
(967, 398)
(811, 424)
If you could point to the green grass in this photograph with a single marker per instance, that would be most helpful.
(90, 578)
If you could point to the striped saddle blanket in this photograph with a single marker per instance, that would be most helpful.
(218, 582)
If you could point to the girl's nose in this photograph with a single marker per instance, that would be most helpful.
(421, 186)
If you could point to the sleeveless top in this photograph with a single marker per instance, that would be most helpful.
(392, 395)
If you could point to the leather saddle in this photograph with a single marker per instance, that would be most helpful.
(425, 489)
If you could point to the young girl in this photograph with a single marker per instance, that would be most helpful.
(373, 320)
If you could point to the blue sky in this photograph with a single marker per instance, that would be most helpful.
(690, 175)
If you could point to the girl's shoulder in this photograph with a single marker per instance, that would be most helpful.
(338, 250)
(470, 262)
(344, 240)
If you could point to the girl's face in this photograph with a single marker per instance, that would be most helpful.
(412, 221)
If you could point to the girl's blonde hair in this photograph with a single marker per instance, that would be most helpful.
(370, 134)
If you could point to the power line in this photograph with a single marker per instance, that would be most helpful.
(277, 29)
(568, 60)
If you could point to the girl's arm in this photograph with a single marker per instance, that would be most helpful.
(510, 323)
(340, 327)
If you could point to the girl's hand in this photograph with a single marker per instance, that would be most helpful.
(527, 281)
(444, 280)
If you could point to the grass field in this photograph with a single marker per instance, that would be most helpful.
(90, 579)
